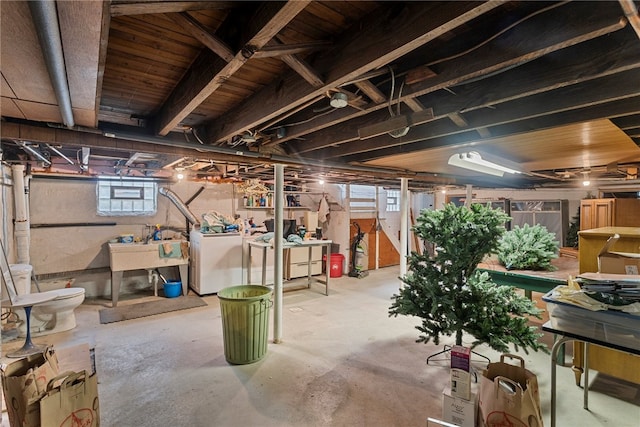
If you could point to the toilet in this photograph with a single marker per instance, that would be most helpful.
(51, 317)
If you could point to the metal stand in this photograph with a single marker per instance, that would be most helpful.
(29, 347)
(447, 349)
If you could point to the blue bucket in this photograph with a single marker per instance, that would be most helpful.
(172, 288)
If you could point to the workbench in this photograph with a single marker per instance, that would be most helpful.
(310, 244)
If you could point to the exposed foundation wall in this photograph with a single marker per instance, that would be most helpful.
(80, 253)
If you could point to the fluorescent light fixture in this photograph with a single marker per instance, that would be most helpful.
(472, 160)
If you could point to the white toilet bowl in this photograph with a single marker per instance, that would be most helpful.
(56, 315)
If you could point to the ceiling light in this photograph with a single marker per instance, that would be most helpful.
(180, 173)
(585, 179)
(473, 161)
(339, 100)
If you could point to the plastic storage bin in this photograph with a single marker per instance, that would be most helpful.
(245, 322)
(611, 326)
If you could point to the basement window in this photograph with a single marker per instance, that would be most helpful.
(393, 201)
(118, 197)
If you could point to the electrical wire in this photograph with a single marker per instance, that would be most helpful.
(498, 34)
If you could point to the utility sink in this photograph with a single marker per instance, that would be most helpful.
(144, 256)
(134, 256)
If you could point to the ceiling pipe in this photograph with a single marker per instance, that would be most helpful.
(45, 18)
(631, 12)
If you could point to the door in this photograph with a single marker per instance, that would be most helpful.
(387, 256)
(603, 213)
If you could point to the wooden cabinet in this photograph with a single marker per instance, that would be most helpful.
(298, 262)
(597, 213)
(610, 362)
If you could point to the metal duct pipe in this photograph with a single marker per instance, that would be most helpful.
(631, 12)
(45, 18)
(180, 205)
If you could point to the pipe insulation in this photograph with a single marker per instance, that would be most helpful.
(45, 18)
(21, 230)
(180, 205)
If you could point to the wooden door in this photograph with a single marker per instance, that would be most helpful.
(387, 256)
(586, 215)
(603, 210)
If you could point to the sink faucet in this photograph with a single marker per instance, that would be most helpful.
(162, 228)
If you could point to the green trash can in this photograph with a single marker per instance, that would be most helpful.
(245, 322)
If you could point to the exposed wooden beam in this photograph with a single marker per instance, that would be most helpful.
(119, 8)
(202, 35)
(458, 120)
(484, 132)
(371, 91)
(303, 69)
(275, 50)
(602, 91)
(205, 77)
(366, 50)
(396, 123)
(414, 104)
(611, 110)
(571, 66)
(560, 33)
(419, 74)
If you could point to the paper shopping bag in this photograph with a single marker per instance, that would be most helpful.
(508, 395)
(24, 382)
(72, 403)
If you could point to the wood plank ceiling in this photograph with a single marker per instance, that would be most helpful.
(359, 91)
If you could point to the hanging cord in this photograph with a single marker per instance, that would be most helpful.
(393, 86)
(498, 34)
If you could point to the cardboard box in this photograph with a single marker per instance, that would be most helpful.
(461, 372)
(617, 262)
(461, 412)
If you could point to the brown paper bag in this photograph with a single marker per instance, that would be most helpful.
(73, 402)
(508, 395)
(24, 382)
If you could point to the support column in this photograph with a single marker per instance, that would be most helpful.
(278, 251)
(404, 224)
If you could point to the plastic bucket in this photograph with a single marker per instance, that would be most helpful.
(335, 263)
(172, 288)
(245, 322)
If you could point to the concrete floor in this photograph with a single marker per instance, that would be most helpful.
(342, 362)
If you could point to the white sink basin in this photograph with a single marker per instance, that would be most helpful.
(134, 256)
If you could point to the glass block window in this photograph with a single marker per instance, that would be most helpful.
(118, 197)
(393, 200)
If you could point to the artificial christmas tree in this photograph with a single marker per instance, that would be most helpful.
(451, 296)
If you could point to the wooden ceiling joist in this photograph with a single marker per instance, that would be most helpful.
(121, 8)
(199, 32)
(531, 45)
(417, 24)
(203, 79)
